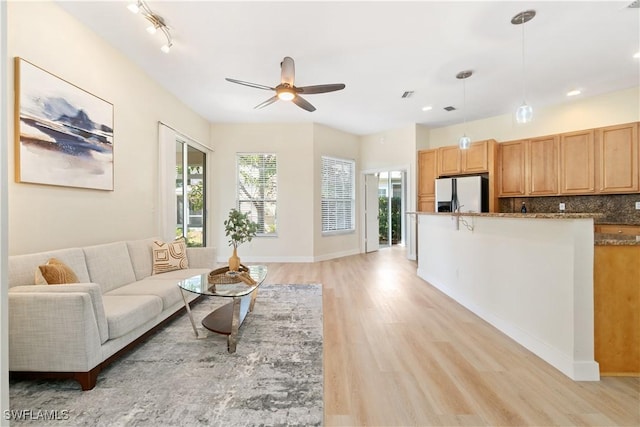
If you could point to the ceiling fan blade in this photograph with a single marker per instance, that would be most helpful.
(288, 71)
(303, 103)
(267, 102)
(320, 88)
(256, 85)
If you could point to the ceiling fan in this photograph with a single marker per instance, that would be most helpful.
(287, 91)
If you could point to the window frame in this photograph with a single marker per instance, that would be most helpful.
(239, 199)
(351, 199)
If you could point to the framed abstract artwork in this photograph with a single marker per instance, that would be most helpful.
(63, 134)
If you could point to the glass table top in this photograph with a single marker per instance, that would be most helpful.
(200, 284)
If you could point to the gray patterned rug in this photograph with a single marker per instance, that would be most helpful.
(174, 379)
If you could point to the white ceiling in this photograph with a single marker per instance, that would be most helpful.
(379, 50)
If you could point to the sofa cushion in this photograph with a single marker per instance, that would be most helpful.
(109, 265)
(167, 290)
(141, 257)
(128, 312)
(169, 256)
(55, 272)
(22, 267)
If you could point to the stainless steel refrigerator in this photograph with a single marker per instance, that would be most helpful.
(462, 194)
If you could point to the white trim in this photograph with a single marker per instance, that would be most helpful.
(4, 228)
(290, 259)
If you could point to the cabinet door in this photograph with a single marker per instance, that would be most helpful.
(511, 169)
(427, 172)
(577, 163)
(542, 166)
(426, 204)
(618, 159)
(449, 159)
(476, 158)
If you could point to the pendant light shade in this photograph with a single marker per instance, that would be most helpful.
(524, 113)
(464, 142)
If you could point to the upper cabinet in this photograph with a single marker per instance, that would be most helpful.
(454, 161)
(511, 164)
(427, 174)
(617, 158)
(542, 166)
(577, 164)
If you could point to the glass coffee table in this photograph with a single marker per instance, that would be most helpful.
(227, 319)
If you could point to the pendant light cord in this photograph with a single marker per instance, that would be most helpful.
(524, 74)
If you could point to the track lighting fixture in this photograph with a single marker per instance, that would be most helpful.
(156, 21)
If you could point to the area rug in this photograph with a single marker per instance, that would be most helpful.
(173, 379)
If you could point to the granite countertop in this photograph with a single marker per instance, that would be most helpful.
(521, 215)
(603, 239)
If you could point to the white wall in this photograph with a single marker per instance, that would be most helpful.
(531, 278)
(46, 217)
(293, 144)
(4, 283)
(334, 143)
(582, 113)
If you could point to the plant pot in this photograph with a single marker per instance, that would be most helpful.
(234, 261)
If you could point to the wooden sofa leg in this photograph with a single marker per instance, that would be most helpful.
(87, 380)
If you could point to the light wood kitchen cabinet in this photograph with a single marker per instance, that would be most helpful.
(577, 164)
(449, 161)
(617, 159)
(511, 168)
(630, 230)
(541, 167)
(454, 161)
(616, 297)
(427, 174)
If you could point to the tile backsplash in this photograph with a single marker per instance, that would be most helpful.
(617, 208)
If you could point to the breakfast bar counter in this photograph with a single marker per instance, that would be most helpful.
(529, 275)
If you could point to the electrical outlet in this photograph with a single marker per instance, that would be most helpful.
(561, 207)
(638, 205)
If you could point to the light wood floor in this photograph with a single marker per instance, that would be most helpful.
(398, 352)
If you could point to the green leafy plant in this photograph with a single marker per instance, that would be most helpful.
(239, 228)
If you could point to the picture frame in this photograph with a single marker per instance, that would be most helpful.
(63, 134)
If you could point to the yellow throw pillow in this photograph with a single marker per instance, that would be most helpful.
(55, 272)
(169, 256)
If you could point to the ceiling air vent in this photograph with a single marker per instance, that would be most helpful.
(634, 5)
(449, 108)
(407, 94)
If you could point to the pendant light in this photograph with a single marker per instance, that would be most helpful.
(464, 142)
(524, 113)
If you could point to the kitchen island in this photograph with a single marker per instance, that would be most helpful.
(529, 275)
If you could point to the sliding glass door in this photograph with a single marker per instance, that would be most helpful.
(190, 193)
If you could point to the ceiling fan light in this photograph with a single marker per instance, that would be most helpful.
(524, 113)
(286, 95)
(464, 142)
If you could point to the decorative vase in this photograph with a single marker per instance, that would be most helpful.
(234, 261)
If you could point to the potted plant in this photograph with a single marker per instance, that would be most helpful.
(239, 229)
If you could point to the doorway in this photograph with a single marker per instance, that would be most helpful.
(391, 207)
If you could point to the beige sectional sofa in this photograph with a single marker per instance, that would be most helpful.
(74, 330)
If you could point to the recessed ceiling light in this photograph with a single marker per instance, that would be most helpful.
(427, 108)
(574, 92)
(636, 55)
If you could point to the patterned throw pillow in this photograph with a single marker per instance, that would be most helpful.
(169, 256)
(55, 272)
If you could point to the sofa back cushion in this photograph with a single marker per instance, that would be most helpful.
(109, 265)
(22, 268)
(141, 257)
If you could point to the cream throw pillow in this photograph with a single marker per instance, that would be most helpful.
(55, 272)
(169, 256)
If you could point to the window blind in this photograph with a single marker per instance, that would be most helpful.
(257, 189)
(338, 195)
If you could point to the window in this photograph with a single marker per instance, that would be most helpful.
(258, 189)
(190, 193)
(338, 195)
